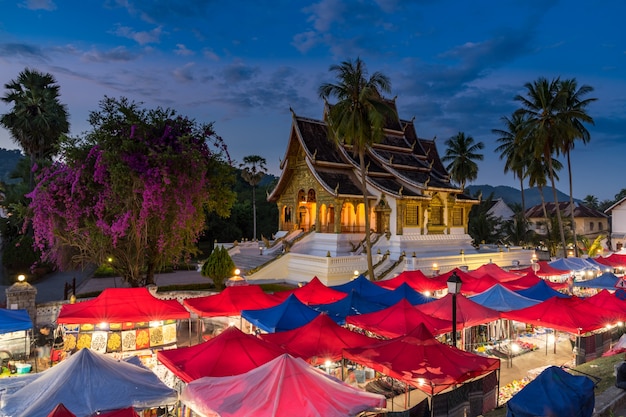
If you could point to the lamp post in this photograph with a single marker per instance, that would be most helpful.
(454, 287)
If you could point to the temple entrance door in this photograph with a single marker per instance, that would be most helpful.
(303, 218)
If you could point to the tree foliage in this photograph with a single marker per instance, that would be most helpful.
(135, 190)
(462, 154)
(219, 266)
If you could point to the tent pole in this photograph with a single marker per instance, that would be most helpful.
(556, 335)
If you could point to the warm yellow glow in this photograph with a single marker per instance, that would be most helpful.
(356, 273)
(103, 325)
(110, 259)
(231, 324)
(328, 364)
(515, 348)
(237, 271)
(620, 323)
(156, 323)
(421, 381)
(551, 338)
(435, 265)
(427, 293)
(21, 278)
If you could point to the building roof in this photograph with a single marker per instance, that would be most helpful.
(580, 210)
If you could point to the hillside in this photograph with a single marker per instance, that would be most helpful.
(512, 195)
(8, 162)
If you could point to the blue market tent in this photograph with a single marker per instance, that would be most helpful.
(351, 305)
(288, 315)
(608, 280)
(541, 291)
(502, 299)
(403, 291)
(554, 392)
(362, 286)
(14, 320)
(573, 264)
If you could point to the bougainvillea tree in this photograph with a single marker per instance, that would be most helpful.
(134, 192)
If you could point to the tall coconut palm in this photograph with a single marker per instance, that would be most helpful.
(357, 120)
(509, 149)
(548, 124)
(537, 173)
(462, 152)
(253, 169)
(576, 106)
(37, 119)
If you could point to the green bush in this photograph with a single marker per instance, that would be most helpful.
(218, 267)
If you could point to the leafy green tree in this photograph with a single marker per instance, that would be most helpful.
(591, 201)
(358, 119)
(38, 119)
(516, 229)
(253, 169)
(219, 267)
(136, 189)
(462, 153)
(484, 227)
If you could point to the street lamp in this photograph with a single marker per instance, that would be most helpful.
(454, 287)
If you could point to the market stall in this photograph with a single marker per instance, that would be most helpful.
(15, 326)
(313, 292)
(288, 315)
(353, 304)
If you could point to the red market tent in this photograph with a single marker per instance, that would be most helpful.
(495, 271)
(468, 313)
(571, 315)
(528, 280)
(475, 286)
(318, 341)
(414, 279)
(286, 386)
(313, 292)
(617, 259)
(612, 308)
(545, 270)
(121, 305)
(461, 274)
(399, 320)
(420, 360)
(124, 412)
(230, 353)
(231, 301)
(61, 411)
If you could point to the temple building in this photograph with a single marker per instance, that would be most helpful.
(412, 200)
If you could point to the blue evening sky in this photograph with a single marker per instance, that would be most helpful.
(455, 66)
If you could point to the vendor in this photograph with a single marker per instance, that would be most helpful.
(620, 374)
(43, 342)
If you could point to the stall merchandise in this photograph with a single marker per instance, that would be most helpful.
(14, 334)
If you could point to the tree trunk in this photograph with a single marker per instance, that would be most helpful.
(521, 184)
(150, 274)
(366, 205)
(558, 211)
(571, 204)
(254, 211)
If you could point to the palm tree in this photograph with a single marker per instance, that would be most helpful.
(253, 169)
(462, 152)
(37, 119)
(358, 119)
(591, 201)
(575, 105)
(548, 123)
(509, 149)
(537, 173)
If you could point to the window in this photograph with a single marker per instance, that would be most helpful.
(411, 217)
(436, 215)
(457, 216)
(600, 226)
(591, 226)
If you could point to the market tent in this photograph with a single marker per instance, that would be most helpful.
(124, 412)
(313, 292)
(14, 320)
(231, 301)
(399, 320)
(318, 341)
(567, 314)
(91, 382)
(617, 260)
(61, 411)
(608, 280)
(500, 298)
(287, 315)
(546, 270)
(404, 291)
(617, 348)
(613, 308)
(465, 276)
(541, 291)
(414, 279)
(361, 286)
(573, 264)
(530, 279)
(494, 271)
(554, 392)
(420, 360)
(474, 286)
(232, 352)
(286, 386)
(351, 305)
(468, 312)
(120, 305)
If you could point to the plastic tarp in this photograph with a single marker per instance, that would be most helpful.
(313, 292)
(286, 386)
(541, 291)
(414, 279)
(14, 320)
(124, 412)
(120, 305)
(362, 286)
(495, 272)
(554, 392)
(468, 312)
(318, 341)
(287, 315)
(423, 362)
(352, 304)
(399, 320)
(231, 301)
(61, 411)
(232, 352)
(572, 315)
(604, 281)
(89, 383)
(619, 347)
(403, 292)
(500, 298)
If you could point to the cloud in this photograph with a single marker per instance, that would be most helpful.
(38, 5)
(162, 11)
(181, 49)
(142, 38)
(119, 54)
(184, 73)
(22, 50)
(238, 72)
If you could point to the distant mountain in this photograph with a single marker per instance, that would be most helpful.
(8, 162)
(512, 195)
